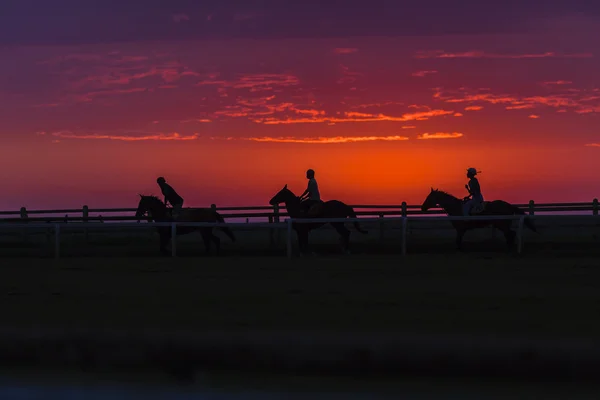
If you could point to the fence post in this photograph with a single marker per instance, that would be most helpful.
(520, 234)
(403, 209)
(531, 207)
(276, 220)
(404, 231)
(173, 239)
(24, 216)
(56, 240)
(86, 214)
(595, 207)
(289, 238)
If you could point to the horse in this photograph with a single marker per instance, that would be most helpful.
(453, 207)
(327, 209)
(157, 211)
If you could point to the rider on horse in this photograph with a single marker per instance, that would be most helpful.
(171, 196)
(475, 198)
(311, 196)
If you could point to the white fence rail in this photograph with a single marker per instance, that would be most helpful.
(288, 226)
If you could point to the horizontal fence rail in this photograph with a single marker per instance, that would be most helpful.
(288, 225)
(269, 213)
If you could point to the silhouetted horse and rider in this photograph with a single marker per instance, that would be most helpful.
(158, 212)
(474, 204)
(310, 205)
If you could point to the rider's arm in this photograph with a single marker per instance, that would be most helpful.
(306, 192)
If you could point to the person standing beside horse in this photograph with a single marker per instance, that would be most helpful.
(311, 195)
(171, 196)
(475, 197)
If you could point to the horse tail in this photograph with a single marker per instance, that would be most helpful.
(225, 229)
(528, 221)
(352, 214)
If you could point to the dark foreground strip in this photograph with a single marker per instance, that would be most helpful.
(306, 352)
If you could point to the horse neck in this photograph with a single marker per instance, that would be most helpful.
(450, 204)
(292, 204)
(158, 212)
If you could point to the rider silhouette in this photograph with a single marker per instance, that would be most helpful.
(311, 195)
(475, 197)
(171, 196)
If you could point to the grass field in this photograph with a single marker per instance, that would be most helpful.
(365, 304)
(567, 237)
(478, 293)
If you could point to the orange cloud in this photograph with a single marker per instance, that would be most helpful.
(473, 108)
(458, 114)
(439, 135)
(533, 116)
(345, 50)
(482, 54)
(126, 137)
(422, 74)
(593, 145)
(353, 116)
(323, 140)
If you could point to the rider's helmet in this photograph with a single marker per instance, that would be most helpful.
(310, 173)
(472, 171)
(160, 180)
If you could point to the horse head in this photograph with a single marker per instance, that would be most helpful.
(150, 205)
(431, 201)
(283, 196)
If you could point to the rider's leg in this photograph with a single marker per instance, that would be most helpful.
(176, 209)
(467, 207)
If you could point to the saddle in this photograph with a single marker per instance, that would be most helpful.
(314, 210)
(479, 208)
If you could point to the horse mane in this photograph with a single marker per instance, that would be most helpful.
(443, 192)
(153, 197)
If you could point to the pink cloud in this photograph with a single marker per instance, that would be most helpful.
(421, 74)
(345, 50)
(482, 54)
(180, 17)
(579, 101)
(558, 83)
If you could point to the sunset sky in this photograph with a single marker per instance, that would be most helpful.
(230, 100)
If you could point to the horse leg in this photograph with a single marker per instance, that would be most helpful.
(302, 234)
(344, 235)
(460, 232)
(205, 232)
(217, 241)
(509, 234)
(165, 238)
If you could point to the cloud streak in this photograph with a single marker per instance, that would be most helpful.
(439, 135)
(580, 101)
(134, 136)
(422, 74)
(483, 54)
(345, 50)
(322, 139)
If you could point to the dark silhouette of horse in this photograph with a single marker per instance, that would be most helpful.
(453, 207)
(327, 209)
(158, 212)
